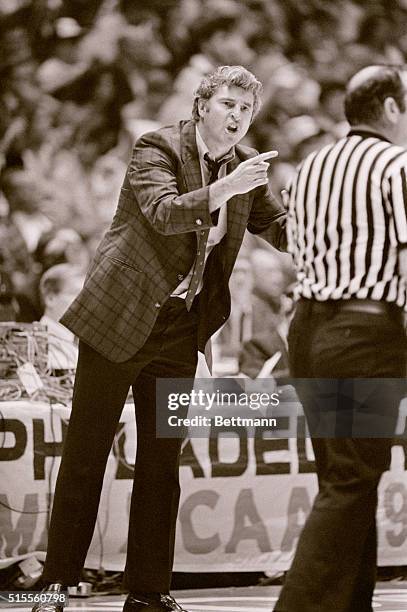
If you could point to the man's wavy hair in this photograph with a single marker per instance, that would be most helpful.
(228, 75)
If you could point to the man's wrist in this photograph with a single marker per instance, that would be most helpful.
(220, 192)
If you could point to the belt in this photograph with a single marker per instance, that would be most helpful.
(352, 305)
(371, 306)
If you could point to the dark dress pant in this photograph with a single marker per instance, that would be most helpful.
(334, 568)
(100, 391)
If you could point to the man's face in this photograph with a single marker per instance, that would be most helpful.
(57, 303)
(226, 116)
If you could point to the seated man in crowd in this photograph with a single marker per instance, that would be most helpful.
(273, 276)
(59, 285)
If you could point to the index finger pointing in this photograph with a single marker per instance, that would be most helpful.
(266, 155)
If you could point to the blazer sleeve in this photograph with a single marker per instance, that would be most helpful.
(268, 218)
(154, 175)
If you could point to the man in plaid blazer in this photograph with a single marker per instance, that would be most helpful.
(156, 292)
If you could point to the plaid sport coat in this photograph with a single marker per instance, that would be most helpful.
(151, 245)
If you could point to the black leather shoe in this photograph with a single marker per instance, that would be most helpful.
(47, 607)
(163, 603)
(53, 601)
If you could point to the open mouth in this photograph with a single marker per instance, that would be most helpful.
(232, 129)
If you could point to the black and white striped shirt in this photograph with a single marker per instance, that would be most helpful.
(347, 218)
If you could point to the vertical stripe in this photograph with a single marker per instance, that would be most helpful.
(400, 211)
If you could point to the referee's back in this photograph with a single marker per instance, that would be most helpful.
(347, 210)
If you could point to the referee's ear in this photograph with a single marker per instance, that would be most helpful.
(391, 110)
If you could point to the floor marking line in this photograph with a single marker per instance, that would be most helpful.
(191, 599)
(225, 609)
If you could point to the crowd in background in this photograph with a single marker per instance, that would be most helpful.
(82, 79)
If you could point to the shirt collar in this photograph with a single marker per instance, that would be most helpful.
(368, 134)
(202, 149)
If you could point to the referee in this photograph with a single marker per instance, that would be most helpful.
(347, 232)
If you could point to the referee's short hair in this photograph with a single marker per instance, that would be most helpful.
(369, 88)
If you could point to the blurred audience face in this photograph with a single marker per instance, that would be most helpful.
(228, 47)
(104, 91)
(241, 282)
(68, 50)
(59, 286)
(42, 122)
(11, 6)
(65, 246)
(332, 103)
(271, 275)
(21, 193)
(106, 181)
(141, 48)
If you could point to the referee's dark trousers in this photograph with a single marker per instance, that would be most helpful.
(338, 543)
(100, 391)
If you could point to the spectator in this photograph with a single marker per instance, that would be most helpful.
(65, 66)
(58, 287)
(60, 246)
(272, 275)
(24, 199)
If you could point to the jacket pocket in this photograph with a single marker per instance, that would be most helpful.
(121, 262)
